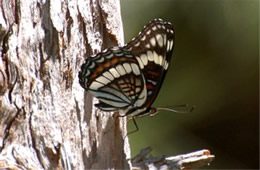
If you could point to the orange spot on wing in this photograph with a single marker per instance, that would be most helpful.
(93, 76)
(114, 60)
(107, 64)
(149, 86)
(99, 68)
(123, 59)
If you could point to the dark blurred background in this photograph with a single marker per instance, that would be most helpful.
(215, 67)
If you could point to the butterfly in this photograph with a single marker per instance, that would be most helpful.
(129, 78)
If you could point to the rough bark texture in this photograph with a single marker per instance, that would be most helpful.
(46, 119)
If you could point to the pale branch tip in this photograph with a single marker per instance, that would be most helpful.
(184, 161)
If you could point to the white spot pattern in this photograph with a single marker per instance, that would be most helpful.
(135, 69)
(127, 67)
(140, 62)
(166, 65)
(121, 70)
(108, 75)
(150, 55)
(152, 41)
(155, 58)
(144, 59)
(114, 72)
(137, 44)
(160, 59)
(95, 85)
(159, 39)
(103, 80)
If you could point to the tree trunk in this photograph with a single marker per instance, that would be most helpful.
(47, 120)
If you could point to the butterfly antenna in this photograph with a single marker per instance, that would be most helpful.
(178, 111)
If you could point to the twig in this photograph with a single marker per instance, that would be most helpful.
(185, 161)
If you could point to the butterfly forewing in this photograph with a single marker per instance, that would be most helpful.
(153, 49)
(129, 78)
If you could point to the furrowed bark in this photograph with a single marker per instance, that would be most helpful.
(47, 120)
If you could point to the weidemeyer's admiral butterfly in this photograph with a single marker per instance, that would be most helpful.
(129, 78)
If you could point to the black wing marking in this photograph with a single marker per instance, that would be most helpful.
(153, 49)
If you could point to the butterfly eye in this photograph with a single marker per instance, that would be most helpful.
(129, 78)
(153, 112)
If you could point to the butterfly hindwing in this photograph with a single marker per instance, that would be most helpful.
(114, 77)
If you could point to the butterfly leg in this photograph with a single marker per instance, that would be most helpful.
(137, 128)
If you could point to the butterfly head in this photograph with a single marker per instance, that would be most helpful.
(153, 111)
